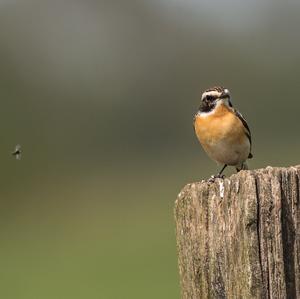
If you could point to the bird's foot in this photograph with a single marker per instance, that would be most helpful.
(216, 176)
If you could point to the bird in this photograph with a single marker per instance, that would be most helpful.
(222, 130)
(17, 152)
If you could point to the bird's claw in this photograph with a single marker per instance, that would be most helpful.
(216, 176)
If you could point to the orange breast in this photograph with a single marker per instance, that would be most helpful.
(222, 126)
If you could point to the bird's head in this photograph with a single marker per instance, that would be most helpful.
(212, 96)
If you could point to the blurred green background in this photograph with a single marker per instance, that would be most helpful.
(101, 96)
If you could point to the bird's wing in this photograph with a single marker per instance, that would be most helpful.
(247, 129)
(194, 119)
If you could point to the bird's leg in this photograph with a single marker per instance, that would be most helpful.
(219, 175)
(243, 166)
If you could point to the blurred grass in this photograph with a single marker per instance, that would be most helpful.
(78, 246)
(97, 236)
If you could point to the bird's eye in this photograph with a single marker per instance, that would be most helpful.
(209, 98)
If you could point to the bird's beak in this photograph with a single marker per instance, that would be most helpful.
(224, 95)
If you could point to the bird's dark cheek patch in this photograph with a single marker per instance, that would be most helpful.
(207, 106)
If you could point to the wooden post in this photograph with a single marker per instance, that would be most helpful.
(240, 237)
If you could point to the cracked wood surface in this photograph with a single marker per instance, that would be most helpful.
(240, 237)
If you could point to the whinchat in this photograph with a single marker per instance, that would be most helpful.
(222, 131)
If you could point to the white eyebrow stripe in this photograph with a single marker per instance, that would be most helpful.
(213, 93)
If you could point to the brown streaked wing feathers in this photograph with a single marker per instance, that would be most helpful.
(248, 133)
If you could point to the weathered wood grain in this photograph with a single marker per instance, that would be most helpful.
(240, 237)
